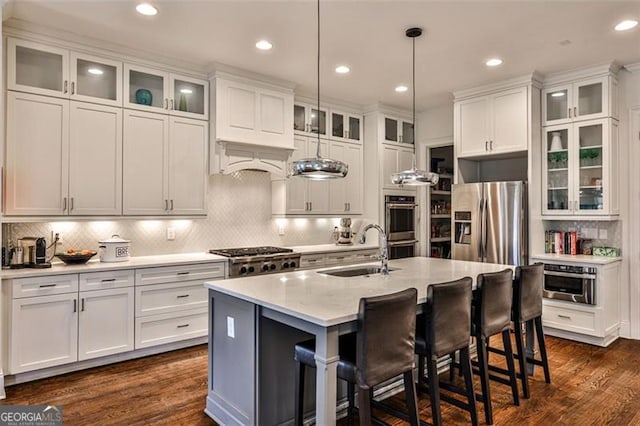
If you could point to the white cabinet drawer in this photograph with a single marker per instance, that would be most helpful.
(565, 318)
(44, 286)
(201, 272)
(339, 258)
(312, 261)
(166, 328)
(163, 298)
(106, 280)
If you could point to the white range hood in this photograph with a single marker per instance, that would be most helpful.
(229, 157)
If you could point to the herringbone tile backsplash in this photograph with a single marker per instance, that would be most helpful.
(239, 216)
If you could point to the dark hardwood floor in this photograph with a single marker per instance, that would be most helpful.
(590, 386)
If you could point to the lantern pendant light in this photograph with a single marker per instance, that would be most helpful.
(318, 168)
(414, 177)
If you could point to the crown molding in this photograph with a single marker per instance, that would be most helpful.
(534, 79)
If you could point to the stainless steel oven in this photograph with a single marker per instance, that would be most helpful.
(572, 283)
(400, 225)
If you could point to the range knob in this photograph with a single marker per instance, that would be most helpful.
(265, 268)
(292, 264)
(285, 265)
(243, 270)
(251, 269)
(272, 267)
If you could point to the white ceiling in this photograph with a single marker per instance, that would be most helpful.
(367, 35)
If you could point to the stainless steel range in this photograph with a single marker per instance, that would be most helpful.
(259, 260)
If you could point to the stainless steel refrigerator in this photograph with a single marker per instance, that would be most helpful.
(489, 222)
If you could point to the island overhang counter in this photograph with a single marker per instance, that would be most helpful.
(255, 321)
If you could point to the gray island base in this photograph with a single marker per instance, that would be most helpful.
(256, 321)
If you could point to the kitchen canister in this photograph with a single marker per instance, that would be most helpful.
(556, 141)
(114, 249)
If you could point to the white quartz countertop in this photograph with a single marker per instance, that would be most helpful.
(576, 258)
(97, 266)
(332, 248)
(328, 300)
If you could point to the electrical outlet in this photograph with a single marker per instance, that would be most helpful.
(590, 232)
(280, 229)
(171, 234)
(231, 328)
(602, 234)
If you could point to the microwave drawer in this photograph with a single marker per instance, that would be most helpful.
(568, 319)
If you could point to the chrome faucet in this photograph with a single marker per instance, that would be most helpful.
(384, 257)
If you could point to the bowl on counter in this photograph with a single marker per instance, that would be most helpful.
(76, 258)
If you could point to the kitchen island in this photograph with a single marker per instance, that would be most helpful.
(256, 321)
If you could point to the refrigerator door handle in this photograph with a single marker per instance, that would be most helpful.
(485, 228)
(481, 231)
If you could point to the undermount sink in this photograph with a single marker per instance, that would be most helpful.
(353, 271)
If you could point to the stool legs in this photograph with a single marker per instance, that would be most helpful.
(299, 402)
(465, 366)
(412, 400)
(508, 353)
(543, 348)
(434, 390)
(483, 365)
(351, 395)
(364, 406)
(522, 358)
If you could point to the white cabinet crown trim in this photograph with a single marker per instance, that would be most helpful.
(535, 79)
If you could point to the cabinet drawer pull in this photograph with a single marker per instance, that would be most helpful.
(47, 285)
(75, 305)
(564, 316)
(569, 112)
(486, 143)
(312, 260)
(171, 103)
(70, 203)
(64, 204)
(82, 305)
(166, 103)
(575, 112)
(183, 325)
(166, 204)
(171, 203)
(107, 280)
(340, 258)
(64, 88)
(183, 273)
(73, 87)
(491, 145)
(181, 296)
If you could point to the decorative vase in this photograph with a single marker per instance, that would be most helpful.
(556, 142)
(143, 97)
(182, 105)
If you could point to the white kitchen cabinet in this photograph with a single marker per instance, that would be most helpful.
(309, 120)
(106, 314)
(153, 90)
(584, 99)
(69, 164)
(580, 169)
(252, 114)
(497, 123)
(345, 126)
(395, 159)
(398, 130)
(164, 164)
(44, 332)
(345, 195)
(52, 71)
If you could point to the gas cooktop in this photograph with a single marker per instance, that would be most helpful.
(250, 251)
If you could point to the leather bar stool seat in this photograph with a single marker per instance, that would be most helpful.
(384, 348)
(445, 328)
(491, 315)
(527, 307)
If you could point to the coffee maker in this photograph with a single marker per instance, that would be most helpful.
(34, 252)
(343, 234)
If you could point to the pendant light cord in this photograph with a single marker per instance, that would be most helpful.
(413, 86)
(318, 87)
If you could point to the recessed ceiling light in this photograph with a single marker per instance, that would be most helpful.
(186, 91)
(626, 25)
(146, 9)
(342, 69)
(401, 88)
(557, 94)
(264, 45)
(95, 71)
(493, 62)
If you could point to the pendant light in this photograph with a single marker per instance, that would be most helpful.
(414, 177)
(318, 168)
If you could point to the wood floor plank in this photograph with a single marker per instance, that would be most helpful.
(590, 386)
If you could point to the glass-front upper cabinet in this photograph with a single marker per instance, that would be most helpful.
(153, 90)
(52, 71)
(586, 99)
(310, 120)
(345, 126)
(580, 170)
(398, 130)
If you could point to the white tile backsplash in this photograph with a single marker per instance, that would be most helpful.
(603, 233)
(239, 216)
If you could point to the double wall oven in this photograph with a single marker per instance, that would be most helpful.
(400, 225)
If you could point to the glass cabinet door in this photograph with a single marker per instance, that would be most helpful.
(557, 168)
(36, 68)
(590, 169)
(407, 132)
(390, 129)
(337, 125)
(189, 97)
(589, 102)
(353, 133)
(146, 89)
(96, 80)
(318, 121)
(556, 101)
(299, 118)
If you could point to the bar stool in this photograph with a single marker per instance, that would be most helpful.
(382, 349)
(527, 306)
(492, 315)
(446, 329)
